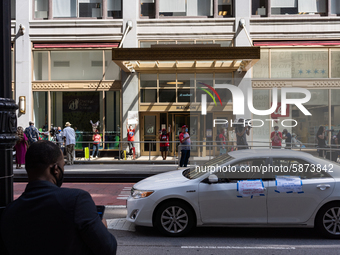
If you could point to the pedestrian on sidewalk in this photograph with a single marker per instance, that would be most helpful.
(59, 137)
(70, 141)
(32, 133)
(164, 145)
(222, 139)
(47, 219)
(288, 138)
(96, 141)
(20, 148)
(131, 138)
(185, 142)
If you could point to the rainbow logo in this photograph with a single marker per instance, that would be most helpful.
(209, 93)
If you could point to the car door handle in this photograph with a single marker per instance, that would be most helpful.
(323, 186)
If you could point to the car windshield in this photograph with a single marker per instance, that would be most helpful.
(195, 172)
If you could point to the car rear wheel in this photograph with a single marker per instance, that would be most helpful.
(328, 220)
(174, 218)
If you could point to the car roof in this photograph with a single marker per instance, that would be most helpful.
(268, 153)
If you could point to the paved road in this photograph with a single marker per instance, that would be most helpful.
(142, 240)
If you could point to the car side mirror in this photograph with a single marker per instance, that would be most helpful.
(213, 178)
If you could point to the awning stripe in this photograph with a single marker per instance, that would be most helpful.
(297, 43)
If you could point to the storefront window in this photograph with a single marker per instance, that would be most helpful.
(202, 83)
(299, 63)
(261, 102)
(112, 119)
(148, 95)
(147, 8)
(114, 9)
(185, 95)
(167, 95)
(224, 94)
(148, 80)
(186, 8)
(261, 68)
(76, 65)
(41, 9)
(40, 59)
(185, 80)
(286, 7)
(335, 63)
(167, 80)
(335, 120)
(40, 101)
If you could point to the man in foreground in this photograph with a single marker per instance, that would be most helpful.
(47, 219)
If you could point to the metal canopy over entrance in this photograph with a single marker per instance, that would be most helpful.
(182, 57)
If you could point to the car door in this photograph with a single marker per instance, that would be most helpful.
(220, 202)
(294, 208)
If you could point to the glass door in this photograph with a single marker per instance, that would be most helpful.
(150, 133)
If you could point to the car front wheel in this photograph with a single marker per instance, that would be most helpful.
(174, 219)
(328, 220)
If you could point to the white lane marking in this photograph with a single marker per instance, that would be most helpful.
(115, 206)
(123, 198)
(240, 248)
(120, 224)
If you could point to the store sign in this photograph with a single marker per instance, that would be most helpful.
(80, 102)
(187, 107)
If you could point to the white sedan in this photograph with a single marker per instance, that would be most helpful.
(260, 188)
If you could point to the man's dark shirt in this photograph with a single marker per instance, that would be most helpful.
(46, 219)
(288, 140)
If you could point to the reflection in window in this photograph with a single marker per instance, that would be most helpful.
(112, 70)
(186, 8)
(147, 44)
(147, 8)
(70, 8)
(225, 8)
(41, 9)
(114, 9)
(259, 7)
(283, 7)
(148, 95)
(64, 8)
(185, 80)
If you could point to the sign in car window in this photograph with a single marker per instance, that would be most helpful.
(288, 184)
(250, 188)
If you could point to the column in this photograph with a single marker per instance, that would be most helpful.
(23, 73)
(130, 80)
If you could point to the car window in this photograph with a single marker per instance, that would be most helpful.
(298, 167)
(250, 169)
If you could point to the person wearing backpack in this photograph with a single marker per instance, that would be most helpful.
(164, 145)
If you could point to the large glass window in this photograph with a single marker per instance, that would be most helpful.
(167, 80)
(186, 8)
(112, 70)
(299, 63)
(76, 65)
(41, 9)
(148, 80)
(284, 7)
(148, 95)
(40, 59)
(64, 8)
(335, 120)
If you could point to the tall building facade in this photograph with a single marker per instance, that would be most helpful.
(69, 64)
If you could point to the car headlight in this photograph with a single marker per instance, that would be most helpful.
(135, 193)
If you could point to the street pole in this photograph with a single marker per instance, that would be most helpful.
(8, 119)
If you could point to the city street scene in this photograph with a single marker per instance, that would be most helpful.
(169, 127)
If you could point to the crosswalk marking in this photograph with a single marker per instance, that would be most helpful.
(124, 193)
